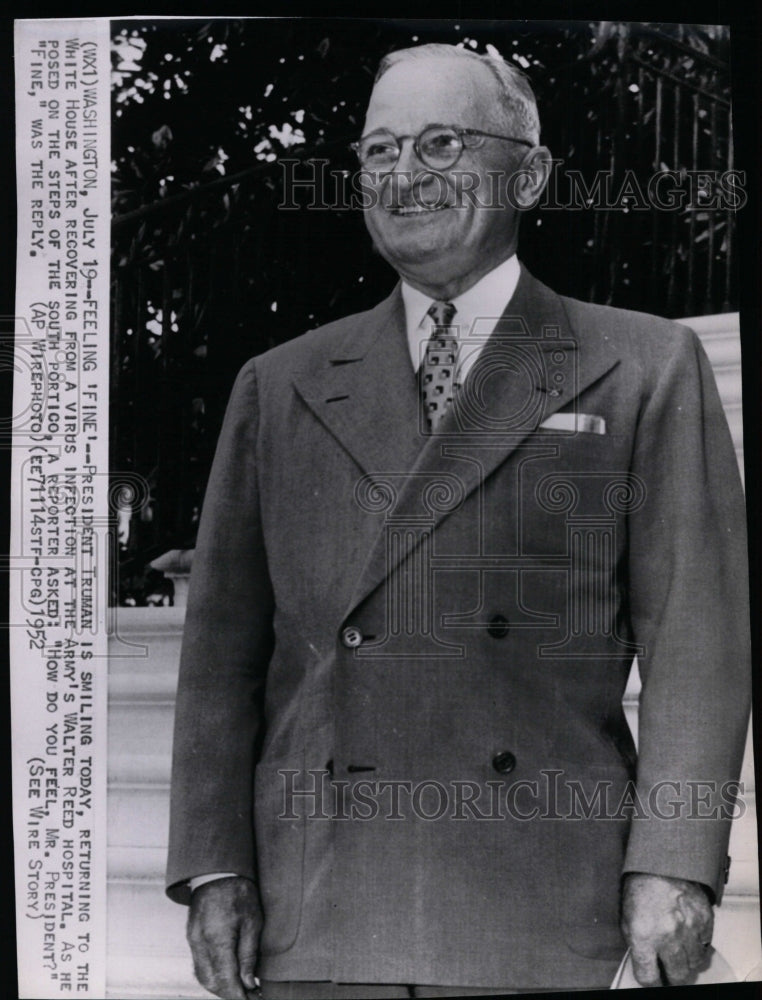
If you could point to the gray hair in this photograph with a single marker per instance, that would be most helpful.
(517, 97)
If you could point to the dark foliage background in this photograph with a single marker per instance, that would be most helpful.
(208, 271)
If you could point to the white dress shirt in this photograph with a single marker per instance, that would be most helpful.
(477, 311)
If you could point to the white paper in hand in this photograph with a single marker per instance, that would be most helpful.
(716, 970)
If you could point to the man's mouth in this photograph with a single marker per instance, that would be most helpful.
(417, 209)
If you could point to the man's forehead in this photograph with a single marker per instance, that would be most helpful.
(432, 89)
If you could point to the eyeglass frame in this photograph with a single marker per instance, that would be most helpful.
(457, 129)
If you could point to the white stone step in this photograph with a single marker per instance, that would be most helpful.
(151, 977)
(138, 815)
(143, 921)
(737, 935)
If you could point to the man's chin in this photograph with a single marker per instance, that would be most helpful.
(414, 241)
(411, 254)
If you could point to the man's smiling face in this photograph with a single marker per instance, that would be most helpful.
(457, 237)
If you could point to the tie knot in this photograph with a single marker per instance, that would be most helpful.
(442, 313)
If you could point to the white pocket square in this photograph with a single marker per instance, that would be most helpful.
(572, 423)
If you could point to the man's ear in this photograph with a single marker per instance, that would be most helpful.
(530, 180)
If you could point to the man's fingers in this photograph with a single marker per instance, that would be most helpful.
(696, 931)
(216, 968)
(666, 921)
(695, 940)
(227, 975)
(215, 960)
(675, 962)
(248, 943)
(699, 916)
(696, 951)
(223, 928)
(645, 965)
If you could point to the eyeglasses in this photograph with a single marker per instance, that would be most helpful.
(438, 146)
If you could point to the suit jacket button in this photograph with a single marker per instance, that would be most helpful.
(351, 637)
(504, 762)
(498, 627)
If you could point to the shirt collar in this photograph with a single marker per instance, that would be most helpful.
(486, 299)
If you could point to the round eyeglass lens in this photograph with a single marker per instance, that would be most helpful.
(439, 146)
(379, 151)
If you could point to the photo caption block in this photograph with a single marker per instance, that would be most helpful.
(60, 523)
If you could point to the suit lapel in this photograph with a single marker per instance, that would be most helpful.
(532, 365)
(366, 394)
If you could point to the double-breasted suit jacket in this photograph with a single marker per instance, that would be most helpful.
(429, 636)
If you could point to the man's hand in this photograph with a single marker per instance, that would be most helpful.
(224, 923)
(668, 920)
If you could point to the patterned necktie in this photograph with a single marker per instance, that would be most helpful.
(437, 371)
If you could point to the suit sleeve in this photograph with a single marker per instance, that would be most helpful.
(227, 643)
(688, 580)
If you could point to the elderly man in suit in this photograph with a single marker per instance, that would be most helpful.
(434, 537)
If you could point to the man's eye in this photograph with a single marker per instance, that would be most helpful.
(381, 149)
(442, 142)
